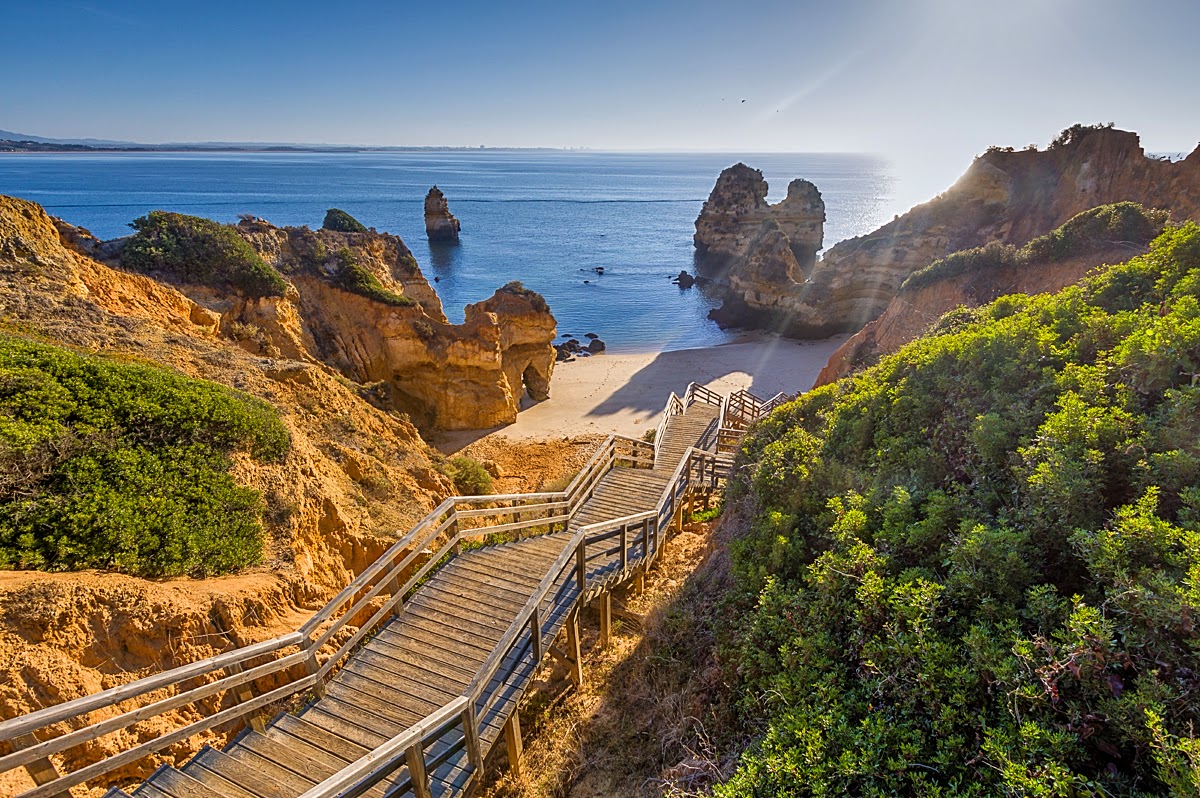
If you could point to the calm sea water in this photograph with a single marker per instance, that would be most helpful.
(545, 218)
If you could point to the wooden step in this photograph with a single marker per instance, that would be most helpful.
(230, 776)
(178, 785)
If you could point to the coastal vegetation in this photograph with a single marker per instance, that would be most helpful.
(1099, 229)
(124, 466)
(469, 476)
(517, 288)
(353, 277)
(195, 250)
(974, 569)
(341, 222)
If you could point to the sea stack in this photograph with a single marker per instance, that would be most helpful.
(440, 224)
(729, 222)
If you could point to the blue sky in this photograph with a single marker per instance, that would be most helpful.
(927, 82)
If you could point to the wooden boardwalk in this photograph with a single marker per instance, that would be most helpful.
(413, 707)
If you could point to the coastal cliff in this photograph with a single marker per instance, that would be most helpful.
(440, 224)
(972, 278)
(1005, 196)
(446, 376)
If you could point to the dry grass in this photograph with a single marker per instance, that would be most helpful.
(644, 722)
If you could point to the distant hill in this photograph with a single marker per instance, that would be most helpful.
(11, 141)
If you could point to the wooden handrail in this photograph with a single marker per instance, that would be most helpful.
(362, 767)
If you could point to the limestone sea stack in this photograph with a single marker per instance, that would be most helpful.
(440, 224)
(730, 220)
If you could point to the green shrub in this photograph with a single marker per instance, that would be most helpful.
(195, 250)
(1095, 230)
(341, 222)
(355, 278)
(972, 569)
(517, 288)
(469, 476)
(116, 465)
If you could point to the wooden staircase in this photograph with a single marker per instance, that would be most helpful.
(417, 697)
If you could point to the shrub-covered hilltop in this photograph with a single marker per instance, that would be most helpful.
(975, 568)
(105, 464)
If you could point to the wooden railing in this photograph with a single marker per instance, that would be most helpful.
(567, 585)
(225, 683)
(741, 409)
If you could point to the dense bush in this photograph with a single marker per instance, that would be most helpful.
(115, 465)
(195, 250)
(469, 476)
(975, 568)
(1095, 230)
(353, 277)
(341, 222)
(517, 288)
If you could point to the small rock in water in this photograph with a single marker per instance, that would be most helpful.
(684, 280)
(596, 346)
(593, 336)
(586, 282)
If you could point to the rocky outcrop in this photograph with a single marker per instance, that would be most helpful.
(730, 220)
(440, 224)
(446, 376)
(1006, 196)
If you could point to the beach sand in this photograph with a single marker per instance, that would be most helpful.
(626, 394)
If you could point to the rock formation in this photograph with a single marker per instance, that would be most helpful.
(730, 220)
(440, 224)
(1007, 196)
(446, 376)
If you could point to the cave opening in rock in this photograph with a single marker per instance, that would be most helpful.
(537, 384)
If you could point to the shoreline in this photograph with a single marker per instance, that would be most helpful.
(626, 393)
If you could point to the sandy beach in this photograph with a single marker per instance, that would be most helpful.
(626, 393)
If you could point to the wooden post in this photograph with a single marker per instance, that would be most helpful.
(535, 630)
(243, 693)
(605, 619)
(646, 540)
(457, 547)
(639, 581)
(573, 647)
(624, 547)
(471, 734)
(311, 666)
(42, 771)
(581, 567)
(414, 755)
(512, 741)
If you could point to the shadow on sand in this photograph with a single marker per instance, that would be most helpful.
(772, 366)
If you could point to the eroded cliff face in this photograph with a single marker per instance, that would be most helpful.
(1006, 196)
(444, 376)
(440, 224)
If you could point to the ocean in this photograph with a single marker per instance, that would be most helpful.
(546, 218)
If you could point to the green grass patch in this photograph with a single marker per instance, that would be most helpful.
(105, 464)
(195, 250)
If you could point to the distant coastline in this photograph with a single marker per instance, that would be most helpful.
(14, 146)
(11, 141)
